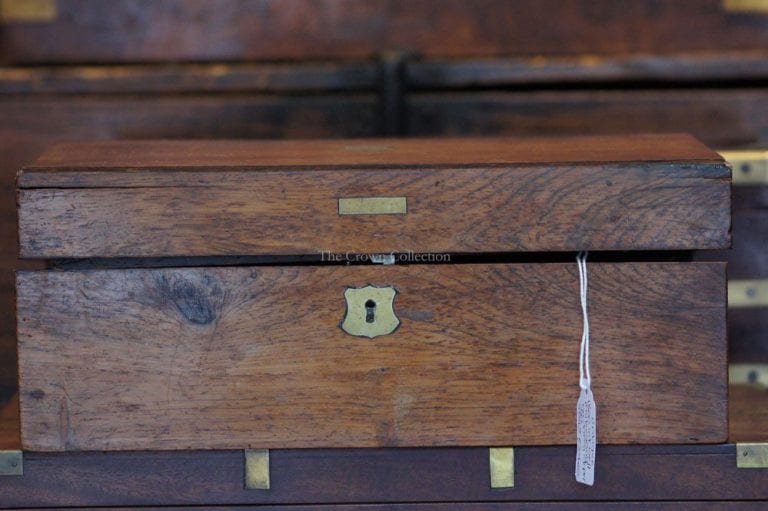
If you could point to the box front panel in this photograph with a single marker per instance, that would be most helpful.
(239, 357)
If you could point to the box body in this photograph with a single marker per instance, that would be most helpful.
(210, 349)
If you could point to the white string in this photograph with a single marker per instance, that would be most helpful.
(585, 378)
(586, 410)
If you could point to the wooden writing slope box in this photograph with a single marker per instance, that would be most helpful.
(182, 323)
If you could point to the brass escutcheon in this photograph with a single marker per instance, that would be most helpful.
(370, 311)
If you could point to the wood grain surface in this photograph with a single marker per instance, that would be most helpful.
(489, 506)
(65, 105)
(748, 412)
(254, 357)
(196, 30)
(363, 476)
(731, 117)
(627, 70)
(74, 158)
(219, 78)
(157, 199)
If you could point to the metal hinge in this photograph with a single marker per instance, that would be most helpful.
(502, 465)
(11, 463)
(748, 293)
(750, 168)
(750, 455)
(257, 469)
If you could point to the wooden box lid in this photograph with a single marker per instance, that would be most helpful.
(225, 198)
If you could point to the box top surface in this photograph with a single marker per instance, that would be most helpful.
(316, 154)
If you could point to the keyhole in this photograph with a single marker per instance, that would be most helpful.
(370, 311)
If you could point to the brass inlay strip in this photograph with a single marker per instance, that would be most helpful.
(748, 374)
(502, 464)
(27, 11)
(750, 168)
(11, 463)
(746, 6)
(752, 455)
(257, 469)
(748, 293)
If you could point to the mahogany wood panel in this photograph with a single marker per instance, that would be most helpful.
(196, 30)
(721, 118)
(450, 475)
(747, 413)
(254, 356)
(159, 199)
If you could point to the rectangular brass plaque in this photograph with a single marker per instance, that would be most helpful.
(27, 11)
(257, 469)
(373, 206)
(502, 461)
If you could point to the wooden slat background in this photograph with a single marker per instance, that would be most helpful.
(197, 30)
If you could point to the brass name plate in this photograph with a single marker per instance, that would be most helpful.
(27, 11)
(373, 206)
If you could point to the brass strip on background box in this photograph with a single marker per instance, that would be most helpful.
(752, 455)
(373, 206)
(257, 469)
(502, 464)
(27, 11)
(750, 168)
(748, 374)
(746, 6)
(11, 463)
(748, 293)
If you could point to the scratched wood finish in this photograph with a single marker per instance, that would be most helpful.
(196, 30)
(254, 357)
(240, 198)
